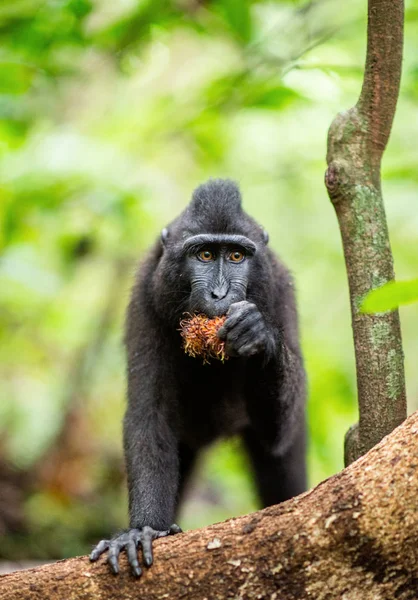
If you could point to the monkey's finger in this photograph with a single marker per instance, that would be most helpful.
(242, 305)
(233, 317)
(133, 558)
(99, 549)
(244, 333)
(174, 529)
(223, 331)
(244, 317)
(230, 323)
(146, 543)
(113, 557)
(249, 350)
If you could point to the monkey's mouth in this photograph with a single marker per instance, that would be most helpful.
(213, 308)
(218, 309)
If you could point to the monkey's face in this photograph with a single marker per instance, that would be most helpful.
(218, 268)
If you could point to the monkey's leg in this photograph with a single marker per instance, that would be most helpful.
(278, 478)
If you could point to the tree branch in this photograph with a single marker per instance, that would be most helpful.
(356, 141)
(353, 536)
(382, 77)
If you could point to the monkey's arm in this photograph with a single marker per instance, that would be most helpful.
(151, 456)
(152, 465)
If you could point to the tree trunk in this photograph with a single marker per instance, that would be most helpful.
(357, 139)
(354, 536)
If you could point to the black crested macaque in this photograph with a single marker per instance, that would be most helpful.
(212, 260)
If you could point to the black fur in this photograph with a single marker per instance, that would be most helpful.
(177, 405)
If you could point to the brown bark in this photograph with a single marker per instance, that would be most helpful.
(356, 142)
(354, 536)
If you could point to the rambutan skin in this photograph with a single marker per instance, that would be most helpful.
(200, 339)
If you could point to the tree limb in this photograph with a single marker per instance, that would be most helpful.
(356, 141)
(354, 536)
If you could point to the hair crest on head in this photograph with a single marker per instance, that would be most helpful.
(215, 205)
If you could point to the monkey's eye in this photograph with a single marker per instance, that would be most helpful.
(237, 256)
(206, 255)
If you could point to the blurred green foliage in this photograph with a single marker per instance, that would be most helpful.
(390, 296)
(110, 114)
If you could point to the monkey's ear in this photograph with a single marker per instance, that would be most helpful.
(164, 236)
(265, 237)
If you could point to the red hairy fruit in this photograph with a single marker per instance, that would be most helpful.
(200, 338)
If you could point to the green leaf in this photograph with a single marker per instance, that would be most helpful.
(390, 296)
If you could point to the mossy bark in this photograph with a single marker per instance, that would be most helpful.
(356, 141)
(353, 537)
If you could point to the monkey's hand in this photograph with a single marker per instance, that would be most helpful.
(245, 331)
(130, 541)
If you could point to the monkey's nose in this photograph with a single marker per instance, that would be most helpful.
(218, 293)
